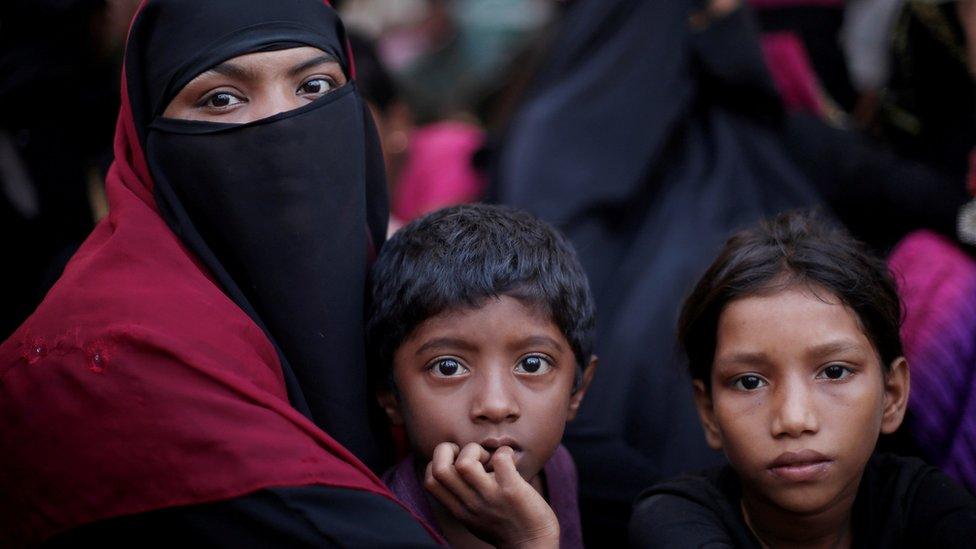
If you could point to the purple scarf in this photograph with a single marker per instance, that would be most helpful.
(937, 283)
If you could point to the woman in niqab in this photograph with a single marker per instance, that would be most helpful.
(198, 372)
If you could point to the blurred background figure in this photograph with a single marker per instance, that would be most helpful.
(869, 85)
(449, 65)
(58, 103)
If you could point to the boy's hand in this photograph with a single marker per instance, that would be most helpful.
(499, 507)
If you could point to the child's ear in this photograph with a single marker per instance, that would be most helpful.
(897, 384)
(706, 413)
(577, 397)
(390, 405)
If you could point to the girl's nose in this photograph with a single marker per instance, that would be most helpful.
(795, 411)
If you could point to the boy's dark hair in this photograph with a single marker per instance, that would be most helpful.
(795, 248)
(460, 256)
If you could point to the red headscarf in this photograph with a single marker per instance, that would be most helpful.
(138, 384)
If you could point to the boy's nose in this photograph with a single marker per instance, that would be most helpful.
(795, 410)
(495, 401)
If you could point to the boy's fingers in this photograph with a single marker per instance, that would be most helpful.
(443, 470)
(504, 464)
(475, 451)
(470, 465)
(442, 494)
(445, 451)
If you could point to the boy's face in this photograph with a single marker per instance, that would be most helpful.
(499, 374)
(798, 398)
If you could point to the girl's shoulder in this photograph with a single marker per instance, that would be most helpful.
(698, 510)
(909, 502)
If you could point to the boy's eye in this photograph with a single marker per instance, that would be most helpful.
(748, 382)
(536, 365)
(836, 371)
(315, 86)
(448, 367)
(220, 100)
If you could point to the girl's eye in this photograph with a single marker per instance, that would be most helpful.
(448, 367)
(749, 382)
(315, 86)
(220, 100)
(535, 365)
(836, 371)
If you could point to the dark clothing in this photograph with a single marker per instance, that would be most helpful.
(901, 502)
(307, 516)
(560, 484)
(51, 142)
(879, 196)
(648, 144)
(928, 109)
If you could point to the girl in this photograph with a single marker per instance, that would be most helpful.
(793, 345)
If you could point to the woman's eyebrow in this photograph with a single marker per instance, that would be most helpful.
(315, 61)
(228, 68)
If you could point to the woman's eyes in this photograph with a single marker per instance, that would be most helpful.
(448, 367)
(533, 365)
(835, 372)
(224, 99)
(748, 382)
(314, 86)
(220, 100)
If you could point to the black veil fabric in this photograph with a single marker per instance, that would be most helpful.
(648, 143)
(286, 212)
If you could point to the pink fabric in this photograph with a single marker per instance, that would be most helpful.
(937, 283)
(438, 170)
(788, 63)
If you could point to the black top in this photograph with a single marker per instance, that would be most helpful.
(305, 516)
(901, 502)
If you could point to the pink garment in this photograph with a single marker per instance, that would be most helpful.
(788, 63)
(937, 283)
(438, 170)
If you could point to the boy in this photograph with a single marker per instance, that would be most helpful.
(793, 345)
(481, 324)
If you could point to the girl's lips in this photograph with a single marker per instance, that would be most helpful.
(805, 472)
(802, 466)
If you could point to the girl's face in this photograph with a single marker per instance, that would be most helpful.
(257, 85)
(798, 398)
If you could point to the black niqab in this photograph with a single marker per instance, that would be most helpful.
(285, 211)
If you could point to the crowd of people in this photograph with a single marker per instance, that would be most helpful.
(509, 272)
